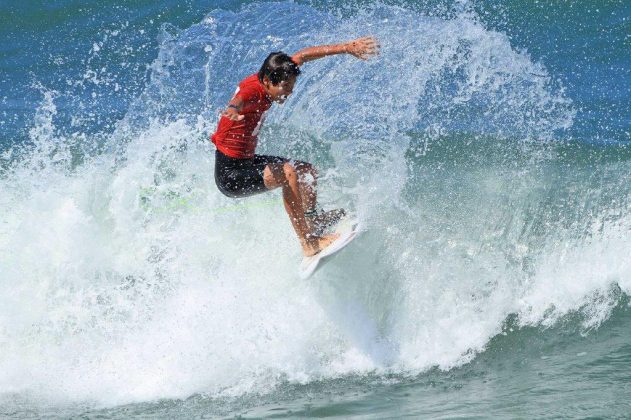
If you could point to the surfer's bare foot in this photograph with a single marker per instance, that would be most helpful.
(322, 221)
(315, 245)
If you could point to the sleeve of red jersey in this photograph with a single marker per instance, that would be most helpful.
(249, 95)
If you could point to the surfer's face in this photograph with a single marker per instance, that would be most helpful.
(280, 92)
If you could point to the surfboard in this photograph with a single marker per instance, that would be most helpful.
(348, 229)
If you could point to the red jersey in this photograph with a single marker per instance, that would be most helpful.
(237, 139)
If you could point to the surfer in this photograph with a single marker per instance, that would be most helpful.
(239, 172)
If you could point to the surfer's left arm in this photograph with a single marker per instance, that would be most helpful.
(362, 48)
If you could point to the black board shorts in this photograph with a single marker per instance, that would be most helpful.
(242, 177)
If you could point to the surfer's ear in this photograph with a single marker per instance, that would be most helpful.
(266, 82)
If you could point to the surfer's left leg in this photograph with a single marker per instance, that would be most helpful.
(317, 220)
(288, 177)
(245, 177)
(307, 179)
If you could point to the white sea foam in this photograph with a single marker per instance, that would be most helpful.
(129, 277)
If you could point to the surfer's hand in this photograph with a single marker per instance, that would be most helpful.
(363, 48)
(232, 114)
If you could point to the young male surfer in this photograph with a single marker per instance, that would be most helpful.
(239, 172)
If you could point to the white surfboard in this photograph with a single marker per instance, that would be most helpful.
(347, 229)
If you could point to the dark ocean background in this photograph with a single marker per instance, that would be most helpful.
(486, 150)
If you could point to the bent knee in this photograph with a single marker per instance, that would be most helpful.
(307, 172)
(304, 168)
(299, 171)
(289, 170)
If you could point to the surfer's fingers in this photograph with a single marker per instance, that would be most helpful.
(369, 41)
(366, 47)
(232, 115)
(364, 55)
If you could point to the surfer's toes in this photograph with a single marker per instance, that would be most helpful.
(327, 240)
(322, 242)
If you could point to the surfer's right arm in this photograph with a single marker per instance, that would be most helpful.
(233, 110)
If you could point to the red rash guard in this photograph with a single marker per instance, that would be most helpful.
(237, 139)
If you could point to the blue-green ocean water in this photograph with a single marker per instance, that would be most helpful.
(487, 151)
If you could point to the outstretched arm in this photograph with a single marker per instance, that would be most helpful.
(362, 48)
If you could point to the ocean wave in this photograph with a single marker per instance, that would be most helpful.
(126, 276)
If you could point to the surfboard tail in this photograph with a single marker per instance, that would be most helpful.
(347, 229)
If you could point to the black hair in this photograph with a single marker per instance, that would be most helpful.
(278, 67)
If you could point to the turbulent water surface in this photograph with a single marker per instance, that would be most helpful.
(487, 152)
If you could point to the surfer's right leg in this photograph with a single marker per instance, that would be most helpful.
(245, 177)
(317, 221)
